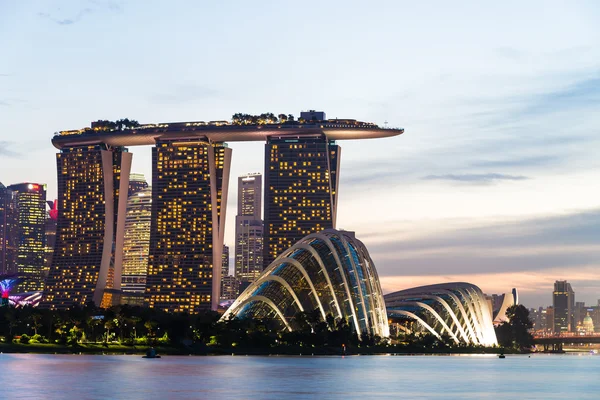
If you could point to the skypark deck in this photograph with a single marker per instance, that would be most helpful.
(221, 131)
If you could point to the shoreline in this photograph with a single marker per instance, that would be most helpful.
(118, 349)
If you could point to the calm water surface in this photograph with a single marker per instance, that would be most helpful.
(29, 376)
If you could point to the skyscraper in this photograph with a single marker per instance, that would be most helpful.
(51, 219)
(190, 182)
(301, 186)
(136, 243)
(563, 302)
(90, 226)
(137, 183)
(8, 231)
(225, 262)
(31, 234)
(249, 229)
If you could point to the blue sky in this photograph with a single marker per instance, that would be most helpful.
(495, 181)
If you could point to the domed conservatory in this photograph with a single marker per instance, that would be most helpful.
(330, 271)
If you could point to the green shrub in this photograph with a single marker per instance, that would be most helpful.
(24, 339)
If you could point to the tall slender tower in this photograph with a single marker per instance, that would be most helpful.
(136, 243)
(90, 226)
(31, 234)
(301, 186)
(563, 302)
(190, 182)
(8, 231)
(249, 229)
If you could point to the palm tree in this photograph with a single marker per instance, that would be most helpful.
(36, 322)
(110, 324)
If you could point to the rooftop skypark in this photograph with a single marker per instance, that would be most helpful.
(241, 127)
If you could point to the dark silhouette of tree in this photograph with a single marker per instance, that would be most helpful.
(515, 333)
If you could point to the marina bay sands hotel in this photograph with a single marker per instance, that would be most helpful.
(190, 183)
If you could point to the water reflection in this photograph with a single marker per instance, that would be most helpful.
(464, 377)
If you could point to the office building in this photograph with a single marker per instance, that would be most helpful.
(225, 261)
(136, 242)
(301, 187)
(563, 303)
(189, 192)
(8, 231)
(137, 183)
(51, 220)
(31, 235)
(249, 229)
(230, 288)
(90, 226)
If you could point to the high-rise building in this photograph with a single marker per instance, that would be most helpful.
(225, 262)
(563, 302)
(190, 183)
(136, 243)
(249, 229)
(51, 219)
(31, 235)
(301, 186)
(549, 319)
(90, 226)
(8, 231)
(579, 313)
(230, 288)
(137, 183)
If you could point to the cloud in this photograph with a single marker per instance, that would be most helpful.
(93, 6)
(533, 161)
(184, 93)
(475, 178)
(518, 250)
(67, 21)
(5, 150)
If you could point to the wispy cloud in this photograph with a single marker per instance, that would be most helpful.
(66, 21)
(475, 178)
(92, 6)
(5, 149)
(516, 162)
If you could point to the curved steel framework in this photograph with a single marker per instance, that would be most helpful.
(459, 310)
(330, 271)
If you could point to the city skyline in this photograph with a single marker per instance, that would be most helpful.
(493, 183)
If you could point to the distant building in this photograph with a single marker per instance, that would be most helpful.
(137, 183)
(136, 242)
(312, 115)
(249, 229)
(225, 262)
(8, 231)
(579, 313)
(563, 302)
(51, 219)
(31, 235)
(549, 320)
(230, 288)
